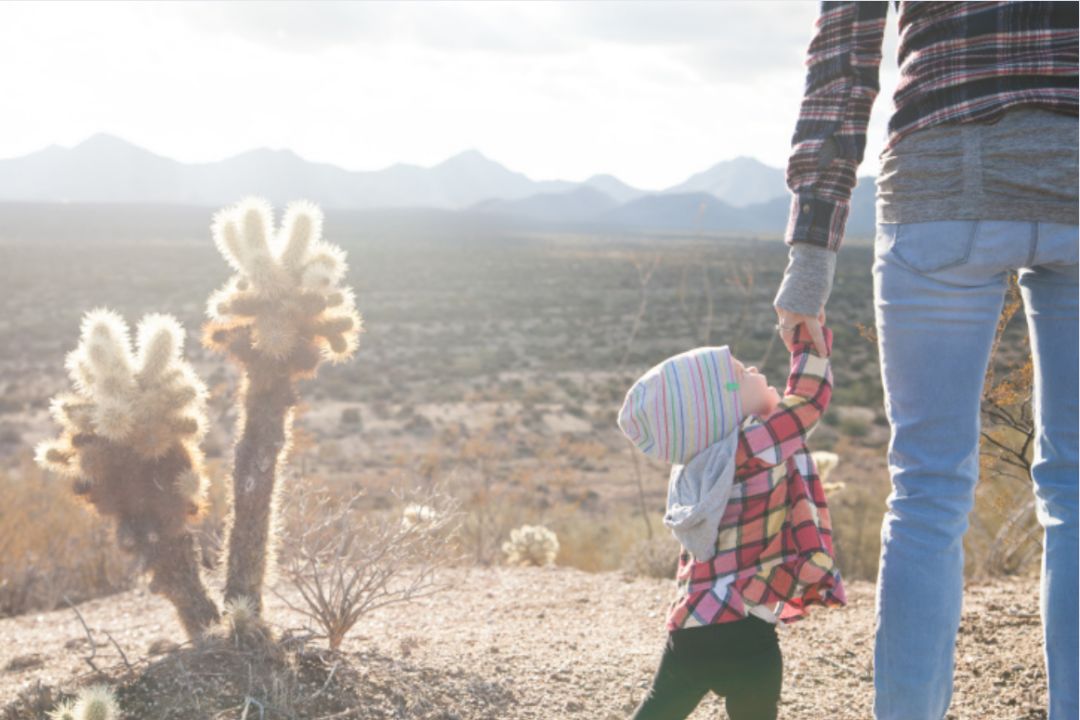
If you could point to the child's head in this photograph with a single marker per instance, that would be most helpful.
(756, 395)
(691, 401)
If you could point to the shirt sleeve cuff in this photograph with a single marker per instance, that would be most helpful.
(816, 221)
(807, 280)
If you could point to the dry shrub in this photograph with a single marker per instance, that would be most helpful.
(50, 547)
(595, 541)
(493, 500)
(344, 561)
(856, 490)
(656, 557)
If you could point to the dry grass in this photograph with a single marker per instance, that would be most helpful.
(54, 548)
(51, 547)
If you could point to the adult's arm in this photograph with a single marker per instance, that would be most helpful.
(827, 147)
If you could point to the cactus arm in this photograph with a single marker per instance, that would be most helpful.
(261, 448)
(175, 567)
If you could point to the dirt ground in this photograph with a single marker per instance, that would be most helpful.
(557, 643)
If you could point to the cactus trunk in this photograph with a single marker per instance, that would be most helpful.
(175, 565)
(268, 399)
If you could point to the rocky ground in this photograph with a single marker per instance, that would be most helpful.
(533, 643)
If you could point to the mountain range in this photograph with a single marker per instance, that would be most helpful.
(742, 194)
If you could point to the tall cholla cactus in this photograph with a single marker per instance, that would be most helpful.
(281, 314)
(531, 545)
(130, 433)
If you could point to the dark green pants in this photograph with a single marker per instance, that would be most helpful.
(740, 661)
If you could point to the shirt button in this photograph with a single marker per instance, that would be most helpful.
(806, 207)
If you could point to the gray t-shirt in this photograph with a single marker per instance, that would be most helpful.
(1021, 167)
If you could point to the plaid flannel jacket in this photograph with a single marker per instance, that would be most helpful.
(774, 545)
(959, 62)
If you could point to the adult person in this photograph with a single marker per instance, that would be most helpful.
(978, 178)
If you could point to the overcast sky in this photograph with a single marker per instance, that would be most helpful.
(650, 92)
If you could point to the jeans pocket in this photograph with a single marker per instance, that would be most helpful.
(932, 246)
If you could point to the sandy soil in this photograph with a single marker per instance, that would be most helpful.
(559, 643)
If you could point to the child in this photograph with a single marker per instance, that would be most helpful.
(746, 503)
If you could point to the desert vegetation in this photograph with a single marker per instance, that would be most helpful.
(477, 420)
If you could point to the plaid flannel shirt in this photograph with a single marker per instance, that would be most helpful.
(774, 544)
(959, 62)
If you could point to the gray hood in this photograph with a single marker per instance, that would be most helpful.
(698, 494)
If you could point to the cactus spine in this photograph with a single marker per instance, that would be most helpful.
(130, 432)
(278, 317)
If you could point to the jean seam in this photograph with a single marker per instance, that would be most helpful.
(1034, 244)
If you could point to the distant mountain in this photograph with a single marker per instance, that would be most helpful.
(742, 195)
(100, 169)
(582, 204)
(614, 188)
(699, 211)
(739, 182)
(106, 169)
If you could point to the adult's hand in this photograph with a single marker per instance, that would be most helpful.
(789, 320)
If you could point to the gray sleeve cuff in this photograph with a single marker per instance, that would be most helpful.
(807, 280)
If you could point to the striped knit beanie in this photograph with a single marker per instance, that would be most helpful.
(683, 405)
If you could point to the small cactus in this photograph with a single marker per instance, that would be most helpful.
(531, 545)
(282, 313)
(96, 702)
(130, 433)
(64, 711)
(416, 515)
(826, 462)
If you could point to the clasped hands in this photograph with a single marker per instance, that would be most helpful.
(787, 321)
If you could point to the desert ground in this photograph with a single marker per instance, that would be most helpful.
(553, 643)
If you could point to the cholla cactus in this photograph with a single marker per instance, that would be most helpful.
(531, 545)
(284, 308)
(826, 462)
(130, 433)
(64, 711)
(416, 515)
(278, 316)
(96, 702)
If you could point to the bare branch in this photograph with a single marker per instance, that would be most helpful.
(344, 563)
(89, 637)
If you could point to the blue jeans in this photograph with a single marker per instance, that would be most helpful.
(938, 291)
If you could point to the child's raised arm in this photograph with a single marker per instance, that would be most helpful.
(770, 441)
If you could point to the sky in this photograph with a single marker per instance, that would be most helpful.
(650, 92)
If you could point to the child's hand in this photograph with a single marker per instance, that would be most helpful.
(789, 321)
